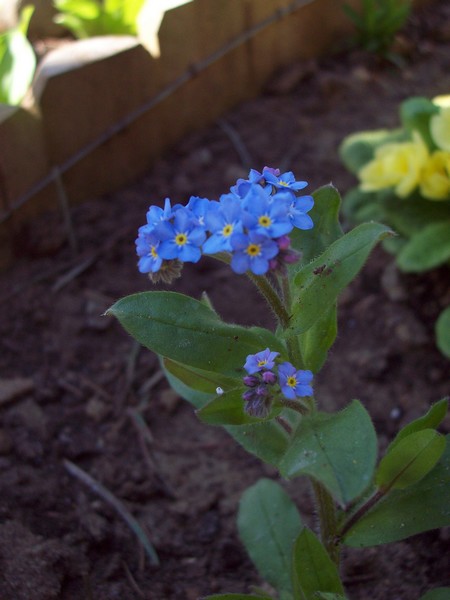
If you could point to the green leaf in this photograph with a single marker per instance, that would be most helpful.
(318, 284)
(186, 331)
(313, 570)
(410, 460)
(228, 409)
(236, 597)
(17, 61)
(360, 207)
(319, 338)
(415, 114)
(328, 596)
(411, 215)
(431, 420)
(325, 214)
(195, 397)
(403, 513)
(199, 379)
(443, 332)
(441, 593)
(268, 524)
(358, 148)
(339, 450)
(427, 249)
(267, 440)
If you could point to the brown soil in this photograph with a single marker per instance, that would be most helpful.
(73, 384)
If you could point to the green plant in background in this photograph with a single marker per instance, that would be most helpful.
(87, 18)
(17, 60)
(258, 384)
(377, 23)
(404, 179)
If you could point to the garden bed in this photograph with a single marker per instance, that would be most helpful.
(74, 387)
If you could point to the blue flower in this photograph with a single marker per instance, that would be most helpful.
(252, 252)
(284, 181)
(223, 220)
(199, 208)
(265, 215)
(297, 212)
(261, 361)
(181, 239)
(156, 214)
(294, 383)
(147, 249)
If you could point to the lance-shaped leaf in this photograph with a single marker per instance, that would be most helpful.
(237, 597)
(199, 379)
(313, 570)
(443, 332)
(228, 409)
(403, 513)
(410, 460)
(330, 596)
(267, 439)
(427, 249)
(268, 524)
(186, 331)
(431, 420)
(325, 215)
(441, 593)
(319, 338)
(339, 450)
(318, 284)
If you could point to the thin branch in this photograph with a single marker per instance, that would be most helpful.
(118, 506)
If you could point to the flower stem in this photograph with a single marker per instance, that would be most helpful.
(272, 298)
(361, 512)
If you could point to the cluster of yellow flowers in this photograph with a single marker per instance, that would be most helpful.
(410, 164)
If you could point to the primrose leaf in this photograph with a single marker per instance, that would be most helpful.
(410, 459)
(268, 524)
(415, 114)
(443, 332)
(339, 450)
(318, 284)
(186, 331)
(403, 513)
(313, 570)
(427, 249)
(431, 420)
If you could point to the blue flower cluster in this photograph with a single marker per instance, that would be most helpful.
(251, 222)
(262, 379)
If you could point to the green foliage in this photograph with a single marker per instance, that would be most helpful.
(377, 23)
(87, 18)
(431, 420)
(327, 275)
(410, 460)
(338, 450)
(422, 218)
(406, 512)
(268, 524)
(437, 594)
(186, 331)
(312, 568)
(17, 61)
(443, 332)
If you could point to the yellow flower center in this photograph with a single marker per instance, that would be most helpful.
(264, 221)
(181, 239)
(291, 381)
(281, 182)
(227, 230)
(262, 362)
(153, 252)
(253, 249)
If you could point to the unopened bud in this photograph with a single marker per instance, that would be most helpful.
(250, 381)
(269, 377)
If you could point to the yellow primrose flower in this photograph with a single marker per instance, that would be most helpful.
(442, 100)
(440, 128)
(396, 165)
(435, 179)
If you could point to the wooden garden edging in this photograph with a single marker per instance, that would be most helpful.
(103, 109)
